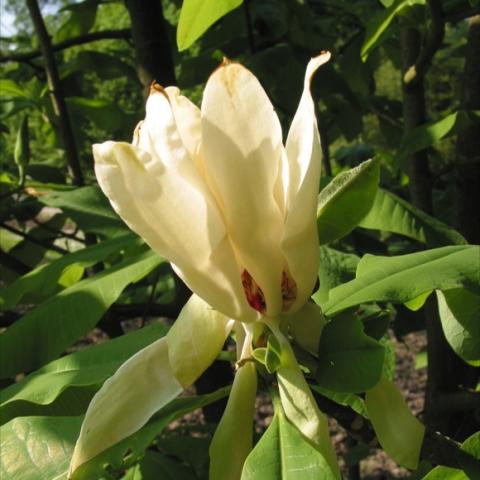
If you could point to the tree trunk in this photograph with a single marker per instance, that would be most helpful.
(151, 42)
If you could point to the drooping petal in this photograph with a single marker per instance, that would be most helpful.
(233, 437)
(241, 147)
(140, 387)
(300, 239)
(171, 208)
(195, 339)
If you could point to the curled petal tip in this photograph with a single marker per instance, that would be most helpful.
(225, 61)
(157, 88)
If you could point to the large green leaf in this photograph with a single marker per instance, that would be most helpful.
(460, 317)
(132, 448)
(35, 448)
(393, 214)
(80, 21)
(48, 278)
(335, 268)
(46, 331)
(86, 368)
(349, 361)
(405, 277)
(41, 447)
(346, 200)
(197, 16)
(282, 453)
(89, 209)
(379, 23)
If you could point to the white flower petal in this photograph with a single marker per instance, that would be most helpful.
(140, 387)
(242, 147)
(170, 207)
(195, 339)
(300, 238)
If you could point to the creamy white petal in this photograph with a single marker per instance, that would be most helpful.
(300, 238)
(171, 208)
(195, 339)
(188, 121)
(140, 387)
(241, 147)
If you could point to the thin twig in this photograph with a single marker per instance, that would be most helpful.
(432, 45)
(123, 34)
(31, 238)
(58, 101)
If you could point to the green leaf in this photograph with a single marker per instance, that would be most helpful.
(380, 22)
(89, 367)
(22, 144)
(155, 465)
(399, 432)
(80, 21)
(346, 200)
(404, 277)
(393, 214)
(46, 331)
(36, 448)
(132, 448)
(273, 354)
(89, 209)
(101, 112)
(9, 87)
(232, 441)
(48, 278)
(335, 268)
(348, 360)
(460, 313)
(282, 453)
(197, 16)
(351, 400)
(426, 135)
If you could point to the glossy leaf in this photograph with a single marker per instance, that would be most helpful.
(282, 453)
(335, 268)
(399, 432)
(46, 331)
(404, 277)
(380, 22)
(460, 314)
(86, 368)
(45, 279)
(37, 447)
(197, 16)
(89, 209)
(233, 437)
(346, 200)
(348, 360)
(393, 214)
(129, 450)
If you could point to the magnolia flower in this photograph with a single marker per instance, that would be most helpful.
(215, 192)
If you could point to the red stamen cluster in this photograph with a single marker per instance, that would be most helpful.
(254, 293)
(289, 291)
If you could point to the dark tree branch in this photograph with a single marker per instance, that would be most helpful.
(151, 42)
(58, 101)
(249, 26)
(432, 45)
(31, 238)
(122, 34)
(13, 263)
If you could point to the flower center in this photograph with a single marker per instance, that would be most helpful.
(254, 293)
(256, 298)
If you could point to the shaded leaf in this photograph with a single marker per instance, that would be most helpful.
(346, 200)
(46, 331)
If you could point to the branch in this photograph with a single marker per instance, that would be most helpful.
(123, 34)
(31, 238)
(432, 45)
(58, 101)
